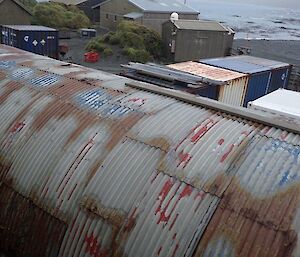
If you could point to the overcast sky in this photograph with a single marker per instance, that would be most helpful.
(279, 3)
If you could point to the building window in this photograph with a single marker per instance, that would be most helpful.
(107, 16)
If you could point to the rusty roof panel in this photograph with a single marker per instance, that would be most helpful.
(161, 215)
(203, 156)
(120, 171)
(22, 222)
(232, 235)
(266, 184)
(207, 71)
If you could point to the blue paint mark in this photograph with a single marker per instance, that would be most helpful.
(45, 81)
(4, 65)
(22, 73)
(100, 101)
(287, 179)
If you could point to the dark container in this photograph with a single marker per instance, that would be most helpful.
(36, 39)
(88, 33)
(265, 75)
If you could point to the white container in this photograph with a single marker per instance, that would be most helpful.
(281, 104)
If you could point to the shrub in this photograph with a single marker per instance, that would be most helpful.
(94, 45)
(130, 39)
(136, 55)
(107, 52)
(59, 15)
(114, 39)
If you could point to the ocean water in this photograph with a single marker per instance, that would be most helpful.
(252, 21)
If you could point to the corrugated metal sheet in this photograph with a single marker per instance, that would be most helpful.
(265, 75)
(199, 25)
(245, 63)
(232, 93)
(88, 170)
(207, 71)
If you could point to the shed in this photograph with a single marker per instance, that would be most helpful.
(151, 14)
(13, 12)
(281, 105)
(121, 168)
(265, 75)
(206, 39)
(232, 85)
(36, 39)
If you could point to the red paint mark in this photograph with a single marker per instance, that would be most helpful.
(174, 236)
(246, 133)
(131, 221)
(162, 196)
(92, 246)
(184, 158)
(74, 166)
(284, 135)
(224, 157)
(175, 250)
(163, 213)
(221, 141)
(200, 194)
(173, 222)
(17, 127)
(139, 101)
(159, 250)
(266, 130)
(201, 130)
(187, 191)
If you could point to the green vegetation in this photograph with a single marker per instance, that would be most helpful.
(29, 4)
(139, 43)
(58, 15)
(107, 52)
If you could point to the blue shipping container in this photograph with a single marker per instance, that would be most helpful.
(265, 75)
(36, 39)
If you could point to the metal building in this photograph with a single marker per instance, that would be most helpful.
(36, 39)
(186, 40)
(14, 12)
(149, 13)
(92, 164)
(265, 75)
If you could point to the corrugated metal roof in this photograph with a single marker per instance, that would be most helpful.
(199, 25)
(163, 6)
(207, 71)
(244, 63)
(29, 27)
(108, 169)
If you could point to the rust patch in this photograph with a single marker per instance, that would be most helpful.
(5, 165)
(2, 75)
(160, 143)
(26, 230)
(120, 128)
(113, 216)
(275, 212)
(60, 110)
(10, 88)
(245, 238)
